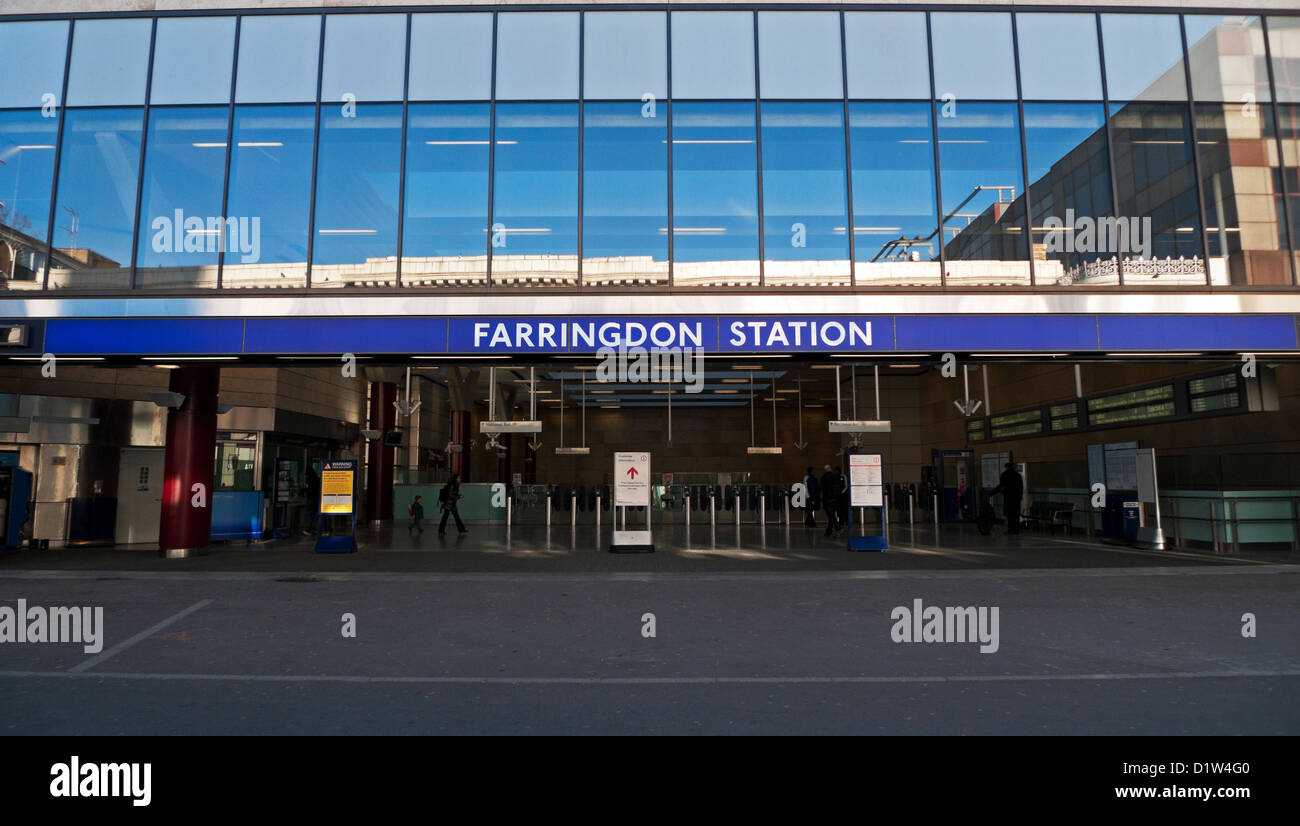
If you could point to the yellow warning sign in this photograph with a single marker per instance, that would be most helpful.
(336, 491)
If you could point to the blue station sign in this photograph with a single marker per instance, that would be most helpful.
(579, 335)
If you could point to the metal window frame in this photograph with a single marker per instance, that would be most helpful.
(1288, 229)
(58, 160)
(144, 144)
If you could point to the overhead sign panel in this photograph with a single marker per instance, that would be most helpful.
(514, 426)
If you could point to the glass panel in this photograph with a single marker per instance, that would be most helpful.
(973, 55)
(1070, 194)
(896, 224)
(26, 176)
(535, 195)
(110, 62)
(713, 54)
(715, 194)
(1226, 57)
(270, 194)
(1144, 57)
(625, 194)
(365, 57)
(1156, 189)
(278, 58)
(626, 55)
(357, 176)
(444, 237)
(1289, 131)
(805, 214)
(799, 54)
(1245, 225)
(1058, 56)
(1284, 46)
(981, 192)
(451, 57)
(537, 56)
(887, 55)
(192, 59)
(98, 171)
(181, 227)
(34, 54)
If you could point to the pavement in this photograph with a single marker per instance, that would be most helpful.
(770, 632)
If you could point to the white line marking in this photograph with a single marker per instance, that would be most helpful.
(1203, 557)
(127, 643)
(770, 680)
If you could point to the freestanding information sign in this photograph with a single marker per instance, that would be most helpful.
(338, 489)
(867, 490)
(631, 490)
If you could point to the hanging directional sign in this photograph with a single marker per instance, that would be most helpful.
(632, 480)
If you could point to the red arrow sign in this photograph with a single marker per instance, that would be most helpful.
(631, 473)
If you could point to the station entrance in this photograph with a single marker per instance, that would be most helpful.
(730, 445)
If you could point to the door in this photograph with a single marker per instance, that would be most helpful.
(139, 495)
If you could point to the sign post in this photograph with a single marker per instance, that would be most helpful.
(631, 490)
(1149, 535)
(338, 489)
(867, 490)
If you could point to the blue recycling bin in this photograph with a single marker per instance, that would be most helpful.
(1132, 521)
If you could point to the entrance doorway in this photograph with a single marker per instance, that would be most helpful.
(139, 495)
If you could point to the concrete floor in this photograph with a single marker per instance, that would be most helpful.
(535, 548)
(778, 633)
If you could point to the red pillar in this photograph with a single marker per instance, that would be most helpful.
(379, 475)
(460, 435)
(191, 453)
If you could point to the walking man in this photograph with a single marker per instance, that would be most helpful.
(830, 491)
(447, 499)
(1012, 487)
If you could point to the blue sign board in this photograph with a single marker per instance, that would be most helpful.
(512, 335)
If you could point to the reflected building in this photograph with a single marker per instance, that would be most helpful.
(576, 150)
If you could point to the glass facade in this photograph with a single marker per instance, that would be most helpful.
(641, 149)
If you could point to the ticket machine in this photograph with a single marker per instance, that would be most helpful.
(15, 498)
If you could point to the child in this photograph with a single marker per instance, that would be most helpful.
(416, 511)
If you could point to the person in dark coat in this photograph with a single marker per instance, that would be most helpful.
(311, 512)
(1012, 487)
(830, 491)
(448, 498)
(812, 498)
(843, 500)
